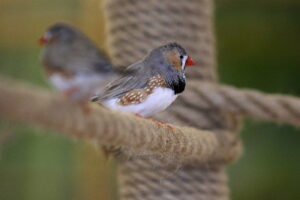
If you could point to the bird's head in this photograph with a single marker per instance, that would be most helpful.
(170, 61)
(59, 32)
(176, 56)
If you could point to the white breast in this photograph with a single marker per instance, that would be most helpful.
(156, 102)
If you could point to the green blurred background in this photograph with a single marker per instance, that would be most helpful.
(258, 47)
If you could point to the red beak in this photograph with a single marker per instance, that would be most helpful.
(42, 41)
(190, 62)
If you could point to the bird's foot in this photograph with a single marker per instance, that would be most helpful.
(139, 116)
(69, 92)
(161, 124)
(158, 123)
(85, 107)
(170, 127)
(82, 102)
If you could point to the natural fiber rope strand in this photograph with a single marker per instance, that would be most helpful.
(250, 103)
(105, 127)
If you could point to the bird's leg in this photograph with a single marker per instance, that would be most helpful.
(70, 91)
(158, 123)
(85, 108)
(170, 127)
(83, 103)
(161, 124)
(139, 116)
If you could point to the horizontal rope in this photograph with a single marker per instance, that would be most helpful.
(59, 114)
(39, 107)
(244, 102)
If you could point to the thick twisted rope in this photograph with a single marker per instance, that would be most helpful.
(135, 27)
(249, 103)
(146, 176)
(36, 106)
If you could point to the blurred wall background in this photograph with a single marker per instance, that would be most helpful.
(258, 47)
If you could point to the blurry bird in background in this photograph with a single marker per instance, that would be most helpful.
(150, 85)
(73, 64)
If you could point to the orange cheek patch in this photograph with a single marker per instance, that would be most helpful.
(50, 71)
(173, 59)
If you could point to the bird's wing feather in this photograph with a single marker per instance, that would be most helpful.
(135, 78)
(89, 57)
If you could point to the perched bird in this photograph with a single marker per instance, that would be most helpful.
(73, 63)
(150, 85)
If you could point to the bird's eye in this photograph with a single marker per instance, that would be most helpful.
(181, 57)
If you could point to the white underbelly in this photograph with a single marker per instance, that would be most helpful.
(87, 84)
(156, 102)
(82, 81)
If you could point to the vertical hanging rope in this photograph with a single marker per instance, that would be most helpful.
(133, 28)
(150, 179)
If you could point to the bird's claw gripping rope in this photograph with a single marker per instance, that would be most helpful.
(158, 123)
